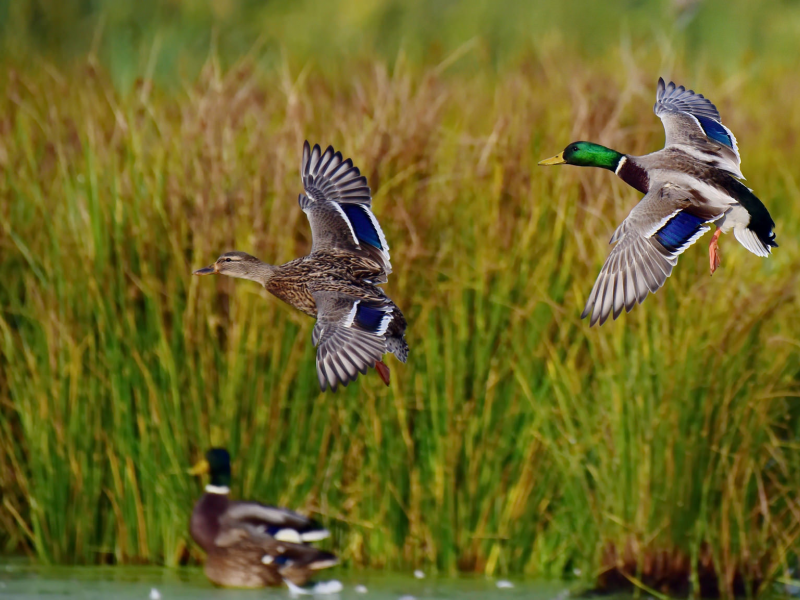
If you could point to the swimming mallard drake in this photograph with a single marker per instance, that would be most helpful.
(250, 545)
(689, 185)
(338, 281)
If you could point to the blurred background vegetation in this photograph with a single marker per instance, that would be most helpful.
(138, 140)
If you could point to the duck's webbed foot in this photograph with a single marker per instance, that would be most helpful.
(714, 256)
(383, 371)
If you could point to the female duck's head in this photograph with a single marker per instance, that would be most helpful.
(238, 264)
(586, 154)
(218, 464)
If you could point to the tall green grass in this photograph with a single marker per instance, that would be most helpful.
(516, 439)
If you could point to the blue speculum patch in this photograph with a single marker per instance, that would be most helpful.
(715, 131)
(369, 318)
(679, 230)
(362, 224)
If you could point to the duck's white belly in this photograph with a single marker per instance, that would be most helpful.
(736, 217)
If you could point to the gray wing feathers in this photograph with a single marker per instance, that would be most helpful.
(329, 182)
(343, 353)
(305, 202)
(343, 349)
(672, 98)
(327, 177)
(330, 229)
(636, 266)
(253, 511)
(679, 110)
(639, 264)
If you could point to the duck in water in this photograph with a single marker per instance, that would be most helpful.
(251, 545)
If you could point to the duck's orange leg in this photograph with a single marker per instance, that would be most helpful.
(713, 252)
(383, 371)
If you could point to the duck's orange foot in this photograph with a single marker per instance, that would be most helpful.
(714, 258)
(383, 371)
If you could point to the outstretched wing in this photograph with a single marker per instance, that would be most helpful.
(692, 121)
(279, 523)
(349, 336)
(339, 206)
(648, 243)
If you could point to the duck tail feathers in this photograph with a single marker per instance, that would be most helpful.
(758, 236)
(759, 243)
(397, 345)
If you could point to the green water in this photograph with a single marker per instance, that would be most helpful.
(124, 583)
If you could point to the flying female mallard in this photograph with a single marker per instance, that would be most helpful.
(338, 281)
(688, 186)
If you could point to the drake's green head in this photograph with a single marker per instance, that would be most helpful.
(586, 154)
(218, 463)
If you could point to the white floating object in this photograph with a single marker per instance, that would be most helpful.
(360, 589)
(577, 571)
(155, 594)
(504, 584)
(419, 574)
(323, 588)
(334, 586)
(407, 598)
(296, 590)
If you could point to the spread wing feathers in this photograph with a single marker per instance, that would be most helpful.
(692, 121)
(672, 98)
(649, 241)
(338, 205)
(350, 336)
(329, 178)
(279, 523)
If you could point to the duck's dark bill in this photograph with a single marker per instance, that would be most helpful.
(205, 271)
(558, 159)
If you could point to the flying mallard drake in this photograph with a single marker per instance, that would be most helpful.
(688, 186)
(338, 281)
(250, 545)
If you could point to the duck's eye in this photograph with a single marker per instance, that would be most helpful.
(228, 260)
(574, 148)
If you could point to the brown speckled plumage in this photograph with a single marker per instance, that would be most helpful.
(248, 544)
(337, 283)
(237, 560)
(294, 281)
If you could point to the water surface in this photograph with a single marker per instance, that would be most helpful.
(132, 583)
